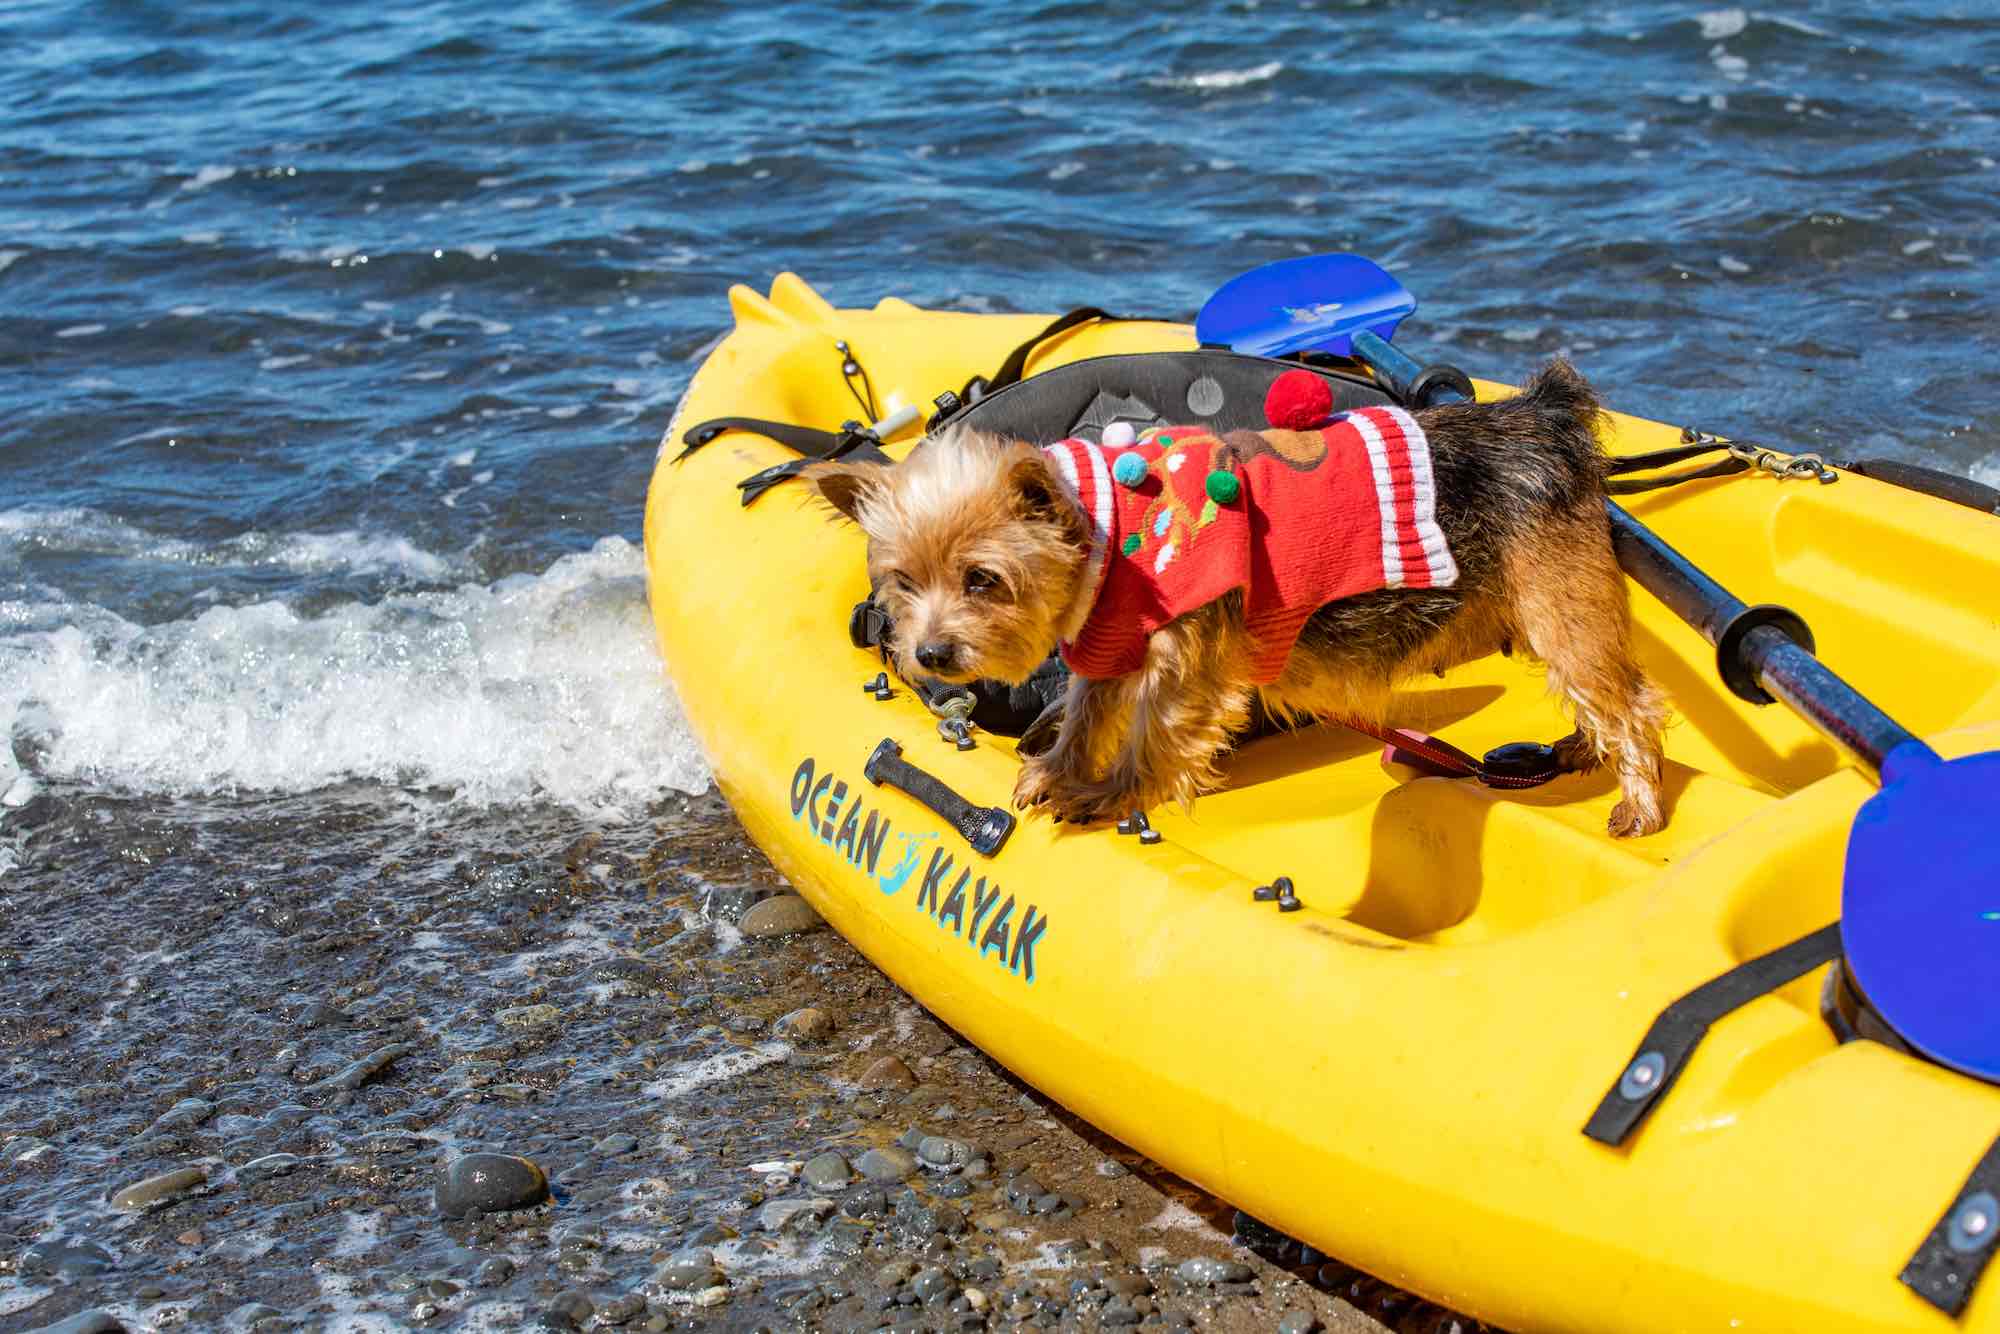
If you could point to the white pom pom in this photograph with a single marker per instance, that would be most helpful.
(1119, 434)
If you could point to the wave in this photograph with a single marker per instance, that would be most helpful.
(538, 687)
(84, 531)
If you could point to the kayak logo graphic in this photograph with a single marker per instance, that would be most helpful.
(966, 907)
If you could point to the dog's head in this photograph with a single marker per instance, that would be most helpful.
(975, 550)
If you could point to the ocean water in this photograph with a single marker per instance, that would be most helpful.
(336, 343)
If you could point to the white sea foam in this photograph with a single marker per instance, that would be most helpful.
(1222, 78)
(208, 176)
(541, 686)
(84, 531)
(688, 1076)
(1717, 24)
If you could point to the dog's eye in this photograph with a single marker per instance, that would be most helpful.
(980, 581)
(899, 581)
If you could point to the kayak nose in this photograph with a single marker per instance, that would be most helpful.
(937, 654)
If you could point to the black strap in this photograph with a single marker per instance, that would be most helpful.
(1947, 1266)
(757, 483)
(1016, 364)
(1681, 1026)
(1720, 468)
(803, 439)
(985, 827)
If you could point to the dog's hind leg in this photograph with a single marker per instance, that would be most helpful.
(1569, 602)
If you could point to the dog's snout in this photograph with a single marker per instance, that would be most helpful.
(936, 654)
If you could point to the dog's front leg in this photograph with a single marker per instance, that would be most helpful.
(1093, 713)
(1185, 704)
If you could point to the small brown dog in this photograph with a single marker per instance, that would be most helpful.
(1483, 528)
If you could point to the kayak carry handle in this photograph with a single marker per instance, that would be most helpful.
(985, 827)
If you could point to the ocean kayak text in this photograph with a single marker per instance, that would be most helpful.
(965, 905)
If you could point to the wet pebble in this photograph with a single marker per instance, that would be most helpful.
(490, 1183)
(493, 1272)
(569, 1310)
(888, 1073)
(805, 1025)
(1298, 1322)
(84, 1322)
(613, 1145)
(890, 1164)
(826, 1172)
(944, 1152)
(933, 1286)
(1111, 1167)
(792, 1215)
(65, 1257)
(691, 1269)
(622, 1310)
(783, 915)
(270, 1166)
(527, 1016)
(183, 1115)
(1204, 1270)
(714, 1296)
(158, 1189)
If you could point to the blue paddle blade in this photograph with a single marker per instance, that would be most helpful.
(1315, 303)
(1920, 905)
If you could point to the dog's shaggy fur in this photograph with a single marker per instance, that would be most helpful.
(978, 553)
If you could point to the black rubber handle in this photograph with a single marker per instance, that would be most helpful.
(985, 827)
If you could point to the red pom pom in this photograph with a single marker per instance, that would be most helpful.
(1298, 400)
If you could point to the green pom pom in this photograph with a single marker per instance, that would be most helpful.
(1131, 544)
(1223, 487)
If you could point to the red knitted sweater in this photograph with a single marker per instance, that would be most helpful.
(1312, 517)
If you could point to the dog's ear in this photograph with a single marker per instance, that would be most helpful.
(1038, 496)
(846, 486)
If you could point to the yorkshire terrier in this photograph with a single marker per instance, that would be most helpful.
(1189, 579)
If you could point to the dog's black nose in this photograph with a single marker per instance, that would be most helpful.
(936, 654)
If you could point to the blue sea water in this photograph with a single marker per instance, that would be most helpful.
(317, 316)
(336, 341)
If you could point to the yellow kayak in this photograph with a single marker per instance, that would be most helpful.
(1400, 1070)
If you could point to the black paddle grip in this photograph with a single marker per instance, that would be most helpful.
(985, 827)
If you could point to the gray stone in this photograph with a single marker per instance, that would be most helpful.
(493, 1272)
(894, 1274)
(1111, 1167)
(806, 1025)
(159, 1189)
(942, 1151)
(826, 1172)
(265, 1168)
(613, 1145)
(785, 915)
(248, 1314)
(365, 1069)
(690, 1270)
(1298, 1322)
(1202, 1269)
(792, 1215)
(66, 1257)
(891, 1164)
(490, 1183)
(1118, 1313)
(888, 1073)
(183, 1115)
(527, 1016)
(84, 1322)
(934, 1287)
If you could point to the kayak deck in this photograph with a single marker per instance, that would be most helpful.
(1400, 1071)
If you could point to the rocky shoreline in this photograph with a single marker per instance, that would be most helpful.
(626, 1083)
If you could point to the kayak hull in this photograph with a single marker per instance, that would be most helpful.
(1399, 1072)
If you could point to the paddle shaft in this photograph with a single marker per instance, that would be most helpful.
(1766, 653)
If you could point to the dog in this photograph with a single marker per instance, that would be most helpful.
(988, 553)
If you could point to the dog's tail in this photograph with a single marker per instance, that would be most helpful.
(1568, 410)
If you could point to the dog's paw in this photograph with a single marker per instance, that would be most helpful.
(1042, 733)
(1635, 819)
(1037, 780)
(1089, 805)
